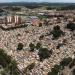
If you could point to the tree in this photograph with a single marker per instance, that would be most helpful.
(65, 61)
(49, 8)
(46, 23)
(20, 46)
(51, 73)
(8, 64)
(57, 32)
(56, 27)
(41, 37)
(72, 63)
(40, 24)
(44, 53)
(29, 68)
(71, 26)
(59, 45)
(3, 73)
(32, 46)
(59, 68)
(13, 68)
(55, 70)
(73, 72)
(4, 59)
(38, 45)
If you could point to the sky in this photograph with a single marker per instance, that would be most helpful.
(69, 1)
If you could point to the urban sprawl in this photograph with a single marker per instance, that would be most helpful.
(39, 38)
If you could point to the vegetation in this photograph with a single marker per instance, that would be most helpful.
(44, 16)
(13, 68)
(41, 37)
(44, 53)
(57, 68)
(20, 46)
(65, 61)
(69, 7)
(57, 32)
(9, 65)
(16, 9)
(72, 63)
(4, 59)
(1, 10)
(32, 6)
(29, 68)
(49, 8)
(59, 45)
(32, 46)
(73, 72)
(13, 8)
(38, 45)
(46, 22)
(71, 26)
(40, 24)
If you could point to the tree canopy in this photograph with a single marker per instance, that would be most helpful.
(8, 64)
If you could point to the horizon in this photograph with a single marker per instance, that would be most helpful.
(38, 1)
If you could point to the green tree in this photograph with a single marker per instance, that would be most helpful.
(29, 68)
(44, 53)
(55, 70)
(71, 26)
(4, 59)
(65, 61)
(40, 24)
(20, 46)
(32, 46)
(3, 73)
(57, 32)
(38, 45)
(73, 72)
(8, 64)
(13, 68)
(41, 37)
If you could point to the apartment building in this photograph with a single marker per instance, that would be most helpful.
(9, 19)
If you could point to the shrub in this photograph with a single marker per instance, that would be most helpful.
(4, 59)
(32, 46)
(57, 32)
(55, 70)
(13, 68)
(38, 45)
(59, 68)
(9, 65)
(31, 66)
(40, 24)
(59, 45)
(56, 27)
(20, 46)
(73, 72)
(65, 61)
(72, 63)
(43, 53)
(46, 23)
(71, 26)
(41, 37)
(51, 73)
